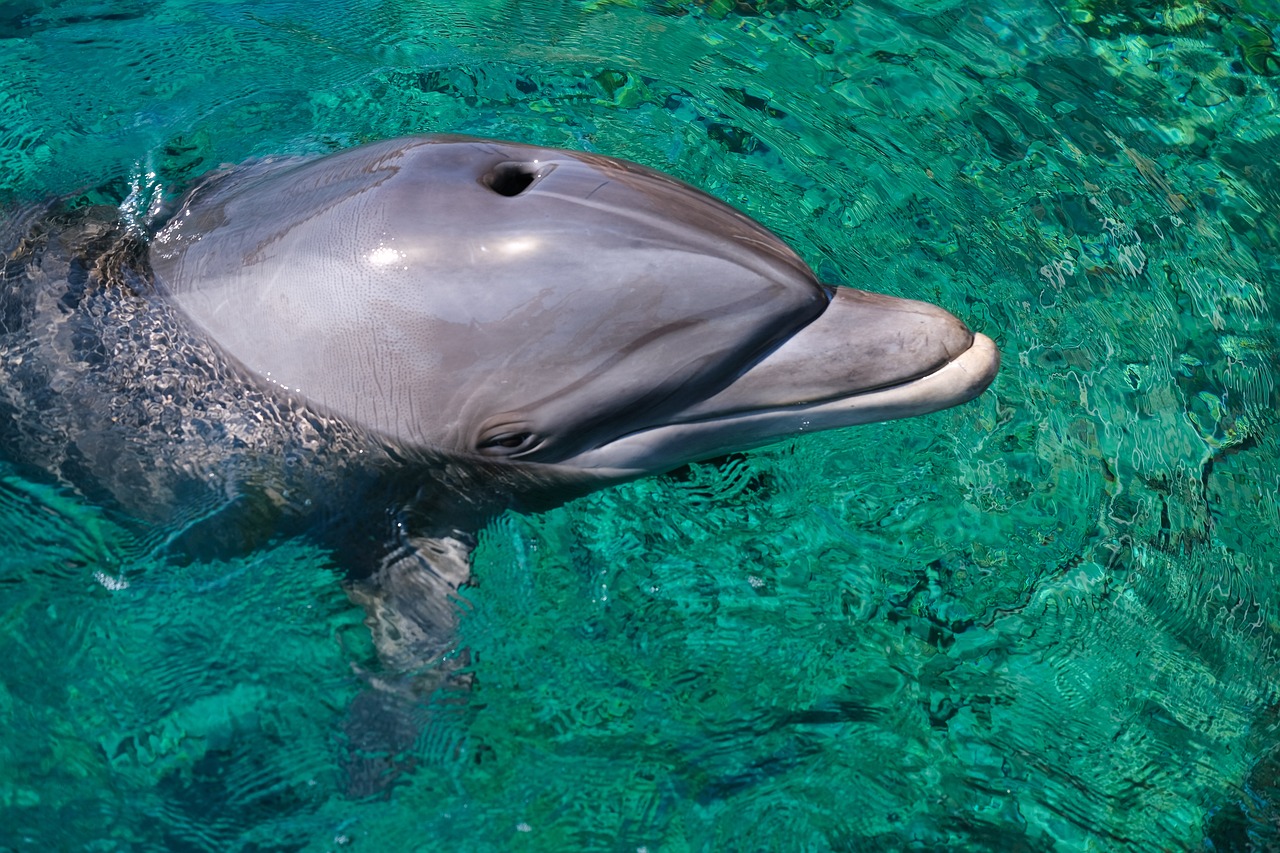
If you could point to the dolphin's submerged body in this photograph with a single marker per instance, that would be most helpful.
(386, 346)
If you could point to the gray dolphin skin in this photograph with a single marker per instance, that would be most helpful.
(581, 317)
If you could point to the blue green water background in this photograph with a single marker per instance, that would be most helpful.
(1046, 620)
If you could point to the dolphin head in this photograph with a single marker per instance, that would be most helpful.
(579, 317)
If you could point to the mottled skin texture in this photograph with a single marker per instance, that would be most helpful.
(386, 347)
(106, 387)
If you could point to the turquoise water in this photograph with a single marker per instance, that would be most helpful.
(1047, 620)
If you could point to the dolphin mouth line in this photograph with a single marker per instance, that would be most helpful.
(957, 381)
(978, 355)
(834, 397)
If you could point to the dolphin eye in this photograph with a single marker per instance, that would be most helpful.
(512, 178)
(506, 442)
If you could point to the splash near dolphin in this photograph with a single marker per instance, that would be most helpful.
(385, 347)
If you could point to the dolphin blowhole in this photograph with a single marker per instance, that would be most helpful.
(512, 178)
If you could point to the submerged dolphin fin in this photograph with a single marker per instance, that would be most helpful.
(411, 605)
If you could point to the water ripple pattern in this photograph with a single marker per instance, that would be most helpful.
(1044, 621)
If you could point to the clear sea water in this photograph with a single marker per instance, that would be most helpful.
(1046, 620)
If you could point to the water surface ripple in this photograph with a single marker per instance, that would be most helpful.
(1047, 620)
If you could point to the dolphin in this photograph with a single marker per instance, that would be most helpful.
(386, 346)
(582, 318)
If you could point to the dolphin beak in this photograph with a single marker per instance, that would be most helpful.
(862, 343)
(866, 358)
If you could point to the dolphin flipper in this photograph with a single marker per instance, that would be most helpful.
(411, 608)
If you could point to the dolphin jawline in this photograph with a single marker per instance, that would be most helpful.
(957, 381)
